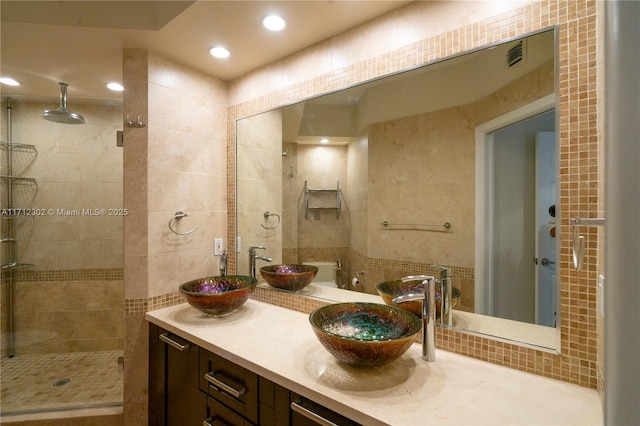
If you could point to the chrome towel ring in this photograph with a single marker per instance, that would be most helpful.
(266, 216)
(178, 216)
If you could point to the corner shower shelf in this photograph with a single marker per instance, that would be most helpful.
(19, 147)
(17, 180)
(16, 266)
(321, 199)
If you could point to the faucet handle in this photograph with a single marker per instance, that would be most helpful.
(445, 269)
(417, 277)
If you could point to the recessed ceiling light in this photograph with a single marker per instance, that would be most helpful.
(116, 87)
(219, 52)
(9, 81)
(324, 140)
(274, 23)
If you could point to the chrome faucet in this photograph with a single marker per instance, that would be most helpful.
(428, 312)
(445, 293)
(223, 263)
(253, 257)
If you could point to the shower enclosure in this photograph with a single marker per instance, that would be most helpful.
(61, 253)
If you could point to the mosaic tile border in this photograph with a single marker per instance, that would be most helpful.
(139, 306)
(113, 274)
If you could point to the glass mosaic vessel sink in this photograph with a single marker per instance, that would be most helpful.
(388, 290)
(218, 295)
(364, 334)
(289, 277)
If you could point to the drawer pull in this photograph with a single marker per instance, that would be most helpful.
(295, 406)
(237, 393)
(165, 338)
(209, 421)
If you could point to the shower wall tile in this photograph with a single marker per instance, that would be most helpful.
(68, 316)
(76, 168)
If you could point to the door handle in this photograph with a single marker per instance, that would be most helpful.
(546, 262)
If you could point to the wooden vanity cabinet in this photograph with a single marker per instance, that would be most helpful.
(174, 398)
(189, 385)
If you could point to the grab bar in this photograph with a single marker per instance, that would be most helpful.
(178, 216)
(416, 226)
(578, 240)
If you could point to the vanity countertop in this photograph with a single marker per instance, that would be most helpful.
(278, 344)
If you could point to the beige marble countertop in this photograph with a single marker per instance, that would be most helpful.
(278, 344)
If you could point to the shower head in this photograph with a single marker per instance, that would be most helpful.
(62, 114)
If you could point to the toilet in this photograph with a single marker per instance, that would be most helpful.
(327, 273)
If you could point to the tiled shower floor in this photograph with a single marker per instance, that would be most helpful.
(32, 383)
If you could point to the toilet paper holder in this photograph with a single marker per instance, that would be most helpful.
(355, 281)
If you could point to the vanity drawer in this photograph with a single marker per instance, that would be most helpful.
(228, 383)
(305, 412)
(220, 415)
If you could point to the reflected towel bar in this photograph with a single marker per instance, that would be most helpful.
(578, 240)
(415, 226)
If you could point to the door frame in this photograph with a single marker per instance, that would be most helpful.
(484, 147)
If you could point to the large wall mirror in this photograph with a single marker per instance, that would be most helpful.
(452, 164)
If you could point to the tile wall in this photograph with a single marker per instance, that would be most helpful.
(177, 162)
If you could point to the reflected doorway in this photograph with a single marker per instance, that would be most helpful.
(516, 244)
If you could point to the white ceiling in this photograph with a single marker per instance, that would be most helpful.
(81, 42)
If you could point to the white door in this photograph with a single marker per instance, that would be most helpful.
(545, 259)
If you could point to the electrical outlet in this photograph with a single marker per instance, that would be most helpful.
(217, 246)
(238, 245)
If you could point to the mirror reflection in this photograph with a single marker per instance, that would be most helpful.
(445, 169)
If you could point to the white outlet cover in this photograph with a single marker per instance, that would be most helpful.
(217, 246)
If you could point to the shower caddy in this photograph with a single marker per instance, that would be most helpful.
(10, 213)
(317, 199)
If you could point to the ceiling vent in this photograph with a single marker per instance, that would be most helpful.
(515, 54)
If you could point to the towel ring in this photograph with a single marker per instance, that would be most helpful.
(266, 216)
(178, 216)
